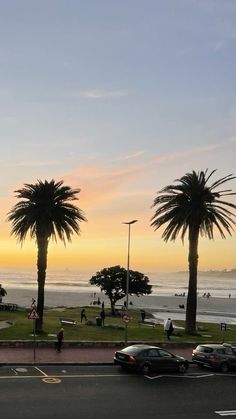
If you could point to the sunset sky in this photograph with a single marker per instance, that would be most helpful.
(118, 98)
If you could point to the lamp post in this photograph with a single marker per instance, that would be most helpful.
(127, 277)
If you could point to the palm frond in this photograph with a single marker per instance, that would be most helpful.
(192, 203)
(45, 209)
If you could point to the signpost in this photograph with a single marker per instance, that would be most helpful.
(126, 319)
(33, 315)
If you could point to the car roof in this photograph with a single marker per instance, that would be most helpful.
(142, 346)
(215, 345)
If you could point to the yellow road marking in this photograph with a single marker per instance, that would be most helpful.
(51, 380)
(13, 377)
(42, 372)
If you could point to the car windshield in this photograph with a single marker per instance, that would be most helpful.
(205, 349)
(132, 350)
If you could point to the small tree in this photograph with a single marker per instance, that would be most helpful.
(113, 282)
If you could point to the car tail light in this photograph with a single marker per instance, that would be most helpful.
(131, 358)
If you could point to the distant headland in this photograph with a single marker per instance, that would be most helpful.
(224, 272)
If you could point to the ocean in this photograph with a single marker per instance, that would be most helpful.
(218, 284)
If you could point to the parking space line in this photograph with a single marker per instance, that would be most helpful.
(42, 372)
(15, 372)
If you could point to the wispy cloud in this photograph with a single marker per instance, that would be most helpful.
(36, 163)
(103, 181)
(103, 94)
(132, 155)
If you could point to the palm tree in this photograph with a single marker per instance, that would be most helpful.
(194, 207)
(45, 212)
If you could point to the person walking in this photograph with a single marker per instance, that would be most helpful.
(143, 315)
(83, 315)
(168, 327)
(103, 315)
(60, 339)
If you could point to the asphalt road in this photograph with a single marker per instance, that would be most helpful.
(67, 392)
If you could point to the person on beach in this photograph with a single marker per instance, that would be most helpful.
(2, 293)
(102, 315)
(83, 315)
(168, 327)
(60, 339)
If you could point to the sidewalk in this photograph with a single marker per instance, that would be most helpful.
(73, 356)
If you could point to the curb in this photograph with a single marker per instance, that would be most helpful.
(91, 344)
(33, 364)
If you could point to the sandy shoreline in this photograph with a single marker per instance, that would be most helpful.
(23, 298)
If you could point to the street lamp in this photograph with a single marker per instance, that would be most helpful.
(127, 277)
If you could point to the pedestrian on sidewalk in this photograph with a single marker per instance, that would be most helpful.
(168, 327)
(83, 315)
(60, 339)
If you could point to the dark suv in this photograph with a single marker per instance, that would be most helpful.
(222, 357)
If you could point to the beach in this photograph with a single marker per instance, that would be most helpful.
(214, 309)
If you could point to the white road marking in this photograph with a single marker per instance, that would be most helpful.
(179, 376)
(16, 373)
(226, 412)
(21, 369)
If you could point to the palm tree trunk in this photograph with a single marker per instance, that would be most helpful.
(42, 267)
(191, 308)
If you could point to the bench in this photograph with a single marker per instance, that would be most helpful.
(150, 323)
(8, 306)
(67, 322)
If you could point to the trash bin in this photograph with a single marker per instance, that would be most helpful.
(98, 321)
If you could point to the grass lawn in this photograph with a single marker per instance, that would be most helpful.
(114, 330)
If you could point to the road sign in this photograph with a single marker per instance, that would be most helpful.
(33, 315)
(126, 318)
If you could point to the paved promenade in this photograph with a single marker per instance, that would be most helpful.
(83, 355)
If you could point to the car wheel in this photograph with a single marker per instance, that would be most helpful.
(145, 369)
(224, 367)
(183, 368)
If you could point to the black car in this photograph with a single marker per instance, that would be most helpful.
(146, 359)
(217, 356)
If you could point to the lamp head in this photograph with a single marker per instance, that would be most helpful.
(130, 222)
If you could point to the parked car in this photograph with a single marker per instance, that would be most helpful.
(217, 356)
(146, 359)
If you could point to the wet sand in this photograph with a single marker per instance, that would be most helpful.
(23, 297)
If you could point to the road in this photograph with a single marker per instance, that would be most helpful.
(89, 392)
